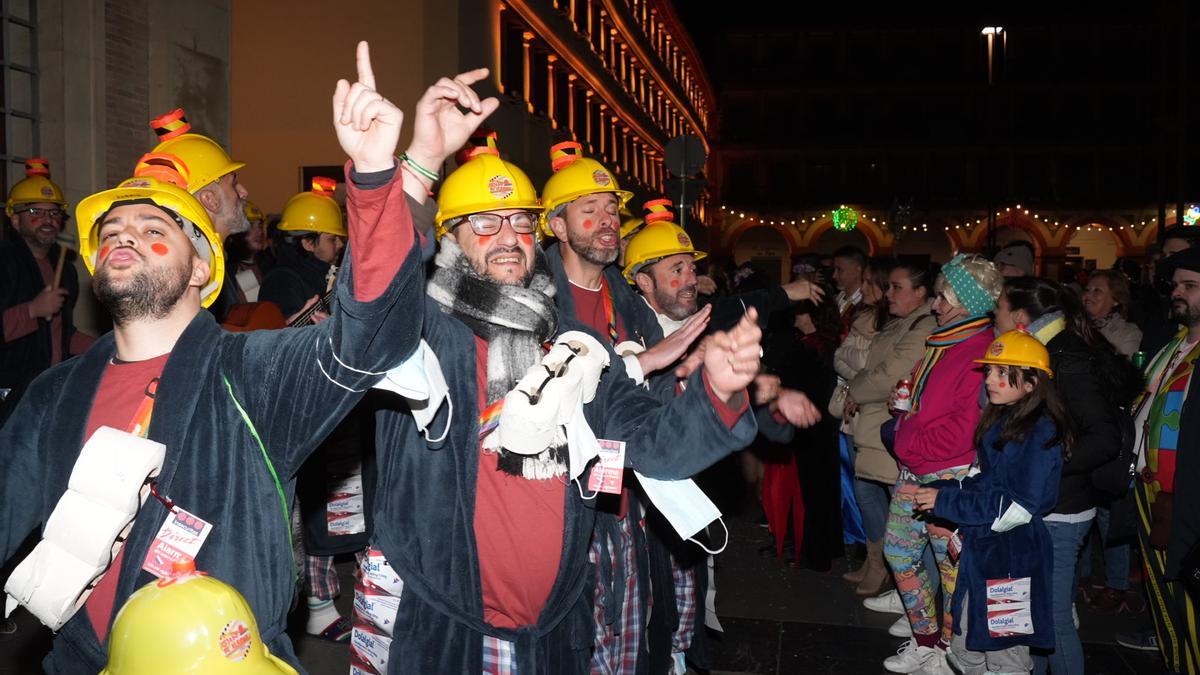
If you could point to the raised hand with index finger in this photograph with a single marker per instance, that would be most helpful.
(367, 124)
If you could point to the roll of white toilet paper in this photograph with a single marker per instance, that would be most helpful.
(112, 467)
(84, 529)
(49, 584)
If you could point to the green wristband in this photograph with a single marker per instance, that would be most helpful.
(431, 175)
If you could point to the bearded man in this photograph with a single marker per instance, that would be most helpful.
(216, 423)
(480, 559)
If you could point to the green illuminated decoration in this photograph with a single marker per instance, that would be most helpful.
(845, 219)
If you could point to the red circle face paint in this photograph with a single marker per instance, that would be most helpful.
(674, 283)
(587, 224)
(1001, 384)
(103, 253)
(485, 238)
(160, 249)
(527, 239)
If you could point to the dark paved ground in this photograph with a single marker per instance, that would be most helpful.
(777, 620)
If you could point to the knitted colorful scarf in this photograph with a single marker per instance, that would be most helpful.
(935, 347)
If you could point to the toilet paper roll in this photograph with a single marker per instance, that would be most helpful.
(112, 467)
(85, 530)
(49, 583)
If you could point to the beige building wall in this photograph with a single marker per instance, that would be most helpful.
(105, 67)
(287, 56)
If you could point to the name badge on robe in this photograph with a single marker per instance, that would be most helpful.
(180, 538)
(608, 474)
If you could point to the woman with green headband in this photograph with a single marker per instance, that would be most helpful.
(935, 441)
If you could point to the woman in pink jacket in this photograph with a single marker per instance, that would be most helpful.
(935, 441)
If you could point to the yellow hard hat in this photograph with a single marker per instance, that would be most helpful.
(315, 210)
(35, 188)
(160, 179)
(631, 226)
(189, 622)
(253, 213)
(1018, 348)
(484, 183)
(658, 239)
(576, 176)
(207, 161)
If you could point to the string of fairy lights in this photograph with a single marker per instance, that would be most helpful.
(846, 218)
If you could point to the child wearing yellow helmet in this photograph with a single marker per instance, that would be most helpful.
(1003, 602)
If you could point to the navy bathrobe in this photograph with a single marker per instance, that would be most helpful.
(424, 519)
(214, 467)
(1027, 473)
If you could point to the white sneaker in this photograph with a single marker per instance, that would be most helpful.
(913, 658)
(888, 603)
(938, 665)
(901, 628)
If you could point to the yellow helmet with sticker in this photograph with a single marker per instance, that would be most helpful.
(484, 183)
(189, 622)
(35, 188)
(159, 179)
(1018, 348)
(659, 239)
(576, 176)
(315, 210)
(207, 161)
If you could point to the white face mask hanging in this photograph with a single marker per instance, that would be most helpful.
(1014, 516)
(685, 506)
(419, 379)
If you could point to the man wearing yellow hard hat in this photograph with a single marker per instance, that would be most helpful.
(38, 286)
(213, 181)
(660, 260)
(212, 173)
(583, 202)
(479, 522)
(191, 435)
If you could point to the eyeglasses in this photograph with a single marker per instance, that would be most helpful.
(53, 214)
(484, 224)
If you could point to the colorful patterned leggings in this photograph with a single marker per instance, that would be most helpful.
(908, 533)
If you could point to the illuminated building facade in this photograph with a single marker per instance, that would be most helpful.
(620, 77)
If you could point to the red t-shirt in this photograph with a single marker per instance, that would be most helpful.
(123, 387)
(589, 310)
(518, 532)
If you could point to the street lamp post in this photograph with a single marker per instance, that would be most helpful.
(991, 33)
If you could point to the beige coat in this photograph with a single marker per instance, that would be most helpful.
(894, 353)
